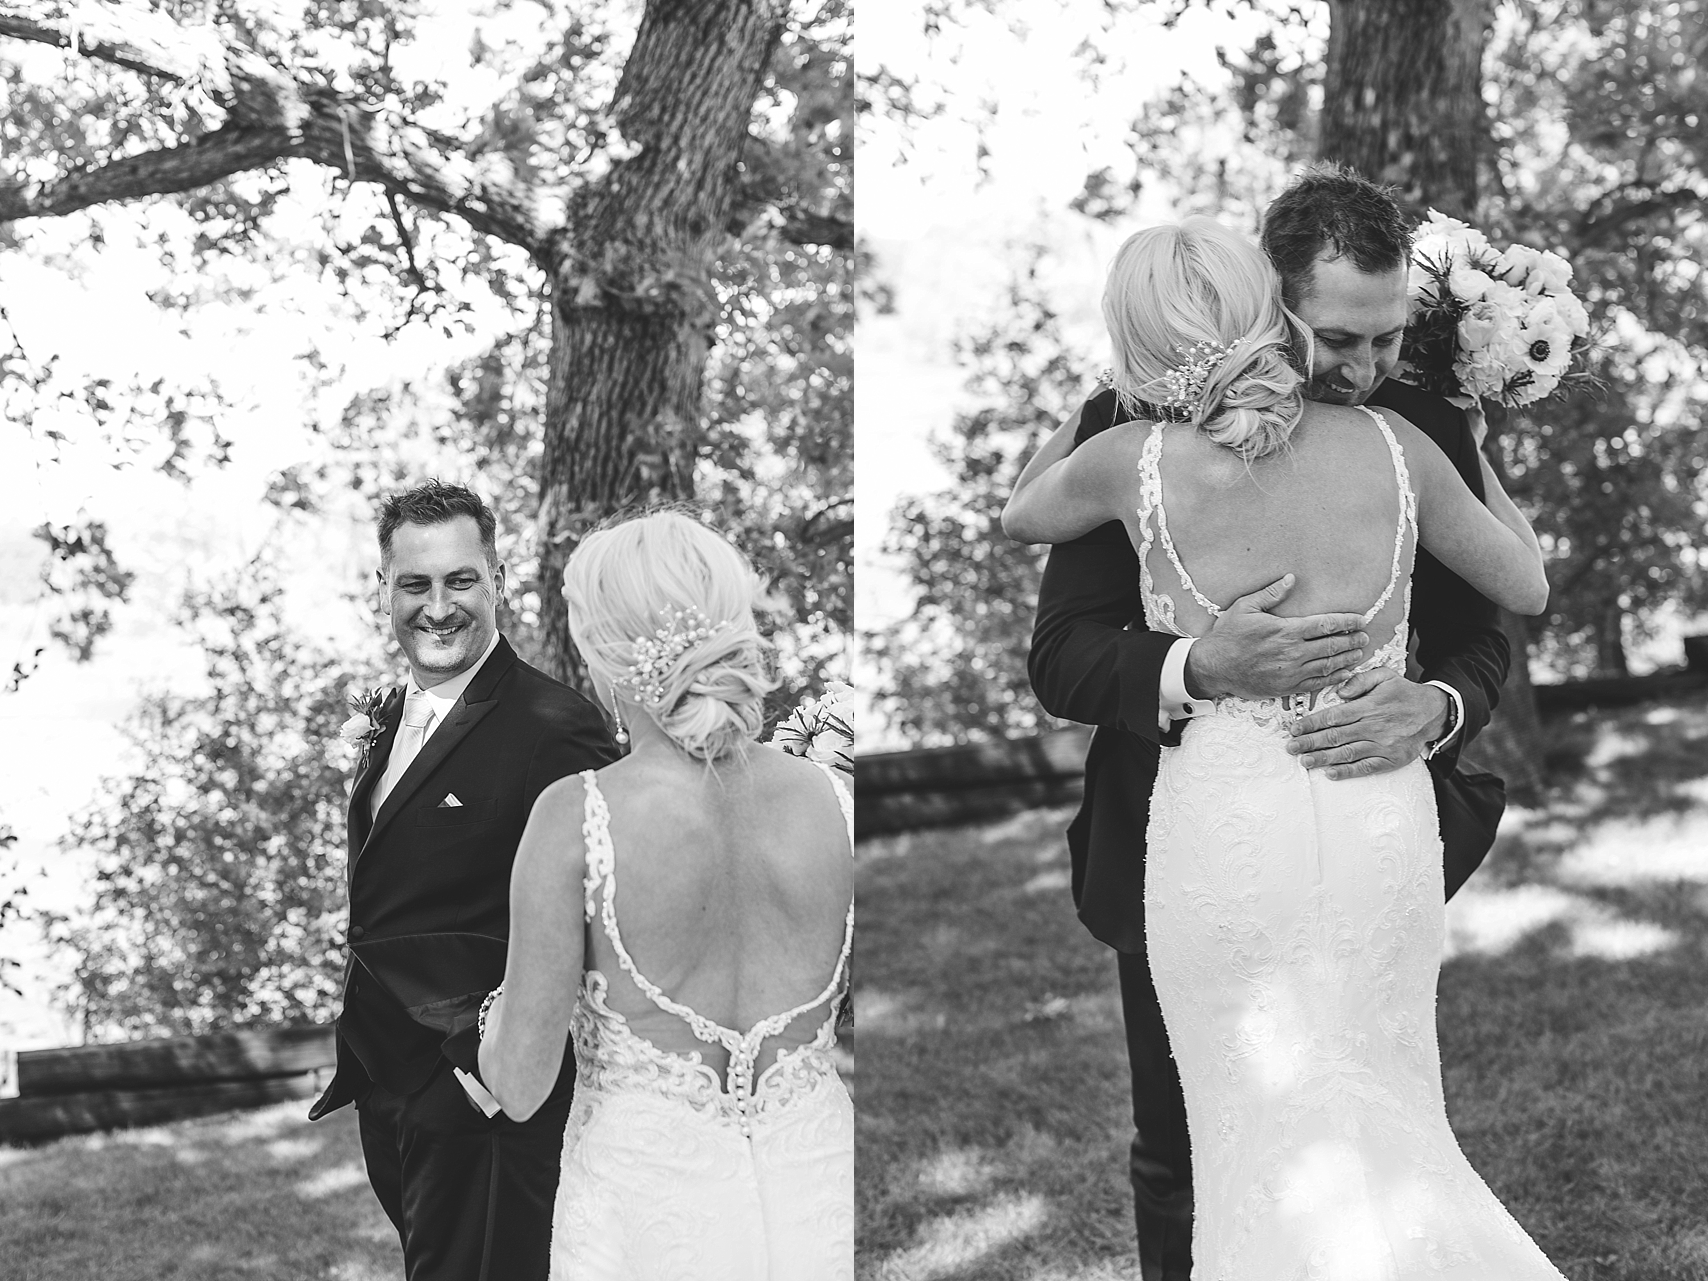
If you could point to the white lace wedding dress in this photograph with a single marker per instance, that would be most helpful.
(671, 1173)
(1294, 927)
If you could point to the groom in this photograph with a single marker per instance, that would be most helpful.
(440, 801)
(1341, 246)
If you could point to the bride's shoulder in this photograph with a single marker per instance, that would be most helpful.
(561, 800)
(1122, 443)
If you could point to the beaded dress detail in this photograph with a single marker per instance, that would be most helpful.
(672, 1172)
(1294, 928)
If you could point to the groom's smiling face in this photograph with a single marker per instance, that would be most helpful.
(442, 594)
(1358, 318)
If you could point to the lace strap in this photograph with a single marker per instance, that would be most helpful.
(1408, 512)
(596, 835)
(1159, 606)
(844, 797)
(1150, 487)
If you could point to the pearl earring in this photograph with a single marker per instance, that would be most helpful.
(621, 735)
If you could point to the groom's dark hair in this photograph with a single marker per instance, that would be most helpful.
(1331, 210)
(433, 503)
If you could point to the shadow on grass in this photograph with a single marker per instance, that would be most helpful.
(263, 1195)
(994, 1106)
(994, 1110)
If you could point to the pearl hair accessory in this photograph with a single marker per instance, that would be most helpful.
(682, 629)
(1187, 380)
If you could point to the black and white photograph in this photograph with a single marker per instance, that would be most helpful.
(1281, 598)
(426, 835)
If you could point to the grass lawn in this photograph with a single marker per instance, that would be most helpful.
(262, 1195)
(994, 1107)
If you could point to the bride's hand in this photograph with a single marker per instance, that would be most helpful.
(1384, 723)
(1251, 653)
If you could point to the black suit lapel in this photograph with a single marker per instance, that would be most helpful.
(358, 819)
(467, 712)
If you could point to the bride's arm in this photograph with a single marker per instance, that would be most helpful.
(1491, 547)
(527, 1027)
(1062, 495)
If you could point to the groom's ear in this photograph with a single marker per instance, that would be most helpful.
(498, 581)
(383, 603)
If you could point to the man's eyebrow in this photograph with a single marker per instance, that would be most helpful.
(449, 573)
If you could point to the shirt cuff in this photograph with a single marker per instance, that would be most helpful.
(1175, 703)
(478, 1094)
(1455, 718)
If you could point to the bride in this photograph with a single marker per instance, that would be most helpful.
(1294, 923)
(685, 916)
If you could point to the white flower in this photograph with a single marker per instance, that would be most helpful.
(821, 729)
(1551, 275)
(1477, 326)
(1468, 284)
(1577, 319)
(1509, 300)
(838, 700)
(1516, 263)
(1548, 350)
(357, 728)
(1420, 283)
(1439, 224)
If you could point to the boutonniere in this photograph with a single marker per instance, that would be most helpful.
(821, 729)
(364, 726)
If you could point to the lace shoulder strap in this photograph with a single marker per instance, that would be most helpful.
(1408, 510)
(596, 835)
(844, 796)
(1159, 606)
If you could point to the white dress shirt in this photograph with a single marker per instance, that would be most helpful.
(440, 699)
(1177, 704)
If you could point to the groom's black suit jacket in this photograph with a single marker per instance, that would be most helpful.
(430, 884)
(1094, 660)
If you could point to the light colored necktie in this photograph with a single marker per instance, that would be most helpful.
(416, 728)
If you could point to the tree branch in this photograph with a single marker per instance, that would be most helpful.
(1593, 227)
(151, 173)
(137, 38)
(273, 115)
(805, 227)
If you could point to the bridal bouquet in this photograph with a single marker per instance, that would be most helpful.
(821, 729)
(1487, 323)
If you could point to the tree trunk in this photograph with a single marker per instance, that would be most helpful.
(1403, 97)
(633, 306)
(1403, 104)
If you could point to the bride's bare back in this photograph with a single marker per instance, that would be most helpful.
(1326, 509)
(732, 896)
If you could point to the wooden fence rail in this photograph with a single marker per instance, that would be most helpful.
(101, 1087)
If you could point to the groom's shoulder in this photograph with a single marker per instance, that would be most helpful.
(1101, 411)
(1430, 412)
(535, 691)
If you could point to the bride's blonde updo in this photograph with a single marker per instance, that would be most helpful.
(661, 608)
(1173, 288)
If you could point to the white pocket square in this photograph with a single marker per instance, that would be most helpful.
(450, 802)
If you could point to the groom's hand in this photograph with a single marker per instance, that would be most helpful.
(1385, 723)
(1250, 653)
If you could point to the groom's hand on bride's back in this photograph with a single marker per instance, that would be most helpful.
(1251, 653)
